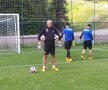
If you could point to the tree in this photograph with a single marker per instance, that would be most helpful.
(32, 11)
(58, 8)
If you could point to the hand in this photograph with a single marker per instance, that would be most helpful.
(59, 44)
(73, 43)
(39, 45)
(78, 41)
(93, 42)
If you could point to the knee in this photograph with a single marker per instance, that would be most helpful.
(45, 56)
(68, 50)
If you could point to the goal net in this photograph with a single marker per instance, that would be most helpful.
(9, 32)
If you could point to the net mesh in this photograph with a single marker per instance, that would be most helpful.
(8, 33)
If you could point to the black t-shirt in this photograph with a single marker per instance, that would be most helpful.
(49, 34)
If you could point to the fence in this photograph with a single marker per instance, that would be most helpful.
(35, 13)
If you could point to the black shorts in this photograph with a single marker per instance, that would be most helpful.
(49, 48)
(68, 44)
(87, 44)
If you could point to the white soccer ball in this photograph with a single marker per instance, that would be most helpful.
(33, 70)
(56, 37)
(42, 38)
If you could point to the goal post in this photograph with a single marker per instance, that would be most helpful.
(9, 32)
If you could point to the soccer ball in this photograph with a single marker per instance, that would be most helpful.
(56, 37)
(42, 38)
(33, 70)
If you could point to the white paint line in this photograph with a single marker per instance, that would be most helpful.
(81, 61)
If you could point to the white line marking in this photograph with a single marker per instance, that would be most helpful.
(81, 61)
(24, 52)
(104, 47)
(99, 49)
(95, 49)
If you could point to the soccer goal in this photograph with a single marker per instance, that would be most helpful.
(9, 33)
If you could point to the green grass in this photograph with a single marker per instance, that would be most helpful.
(77, 75)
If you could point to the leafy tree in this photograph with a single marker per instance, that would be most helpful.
(58, 8)
(34, 13)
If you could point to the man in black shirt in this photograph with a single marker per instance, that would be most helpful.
(49, 44)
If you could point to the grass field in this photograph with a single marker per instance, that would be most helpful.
(77, 75)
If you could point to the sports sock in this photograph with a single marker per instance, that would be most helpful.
(90, 53)
(53, 66)
(44, 66)
(83, 52)
(68, 54)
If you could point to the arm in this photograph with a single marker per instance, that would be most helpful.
(91, 36)
(79, 40)
(40, 34)
(73, 43)
(56, 32)
(81, 35)
(73, 35)
(61, 36)
(62, 33)
(93, 42)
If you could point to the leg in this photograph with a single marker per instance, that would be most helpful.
(82, 55)
(52, 51)
(44, 60)
(90, 53)
(68, 53)
(83, 51)
(68, 45)
(90, 50)
(46, 52)
(53, 61)
(85, 47)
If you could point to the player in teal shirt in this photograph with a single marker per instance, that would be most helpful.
(88, 41)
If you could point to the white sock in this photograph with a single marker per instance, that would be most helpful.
(44, 66)
(53, 66)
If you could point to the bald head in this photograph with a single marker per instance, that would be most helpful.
(49, 23)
